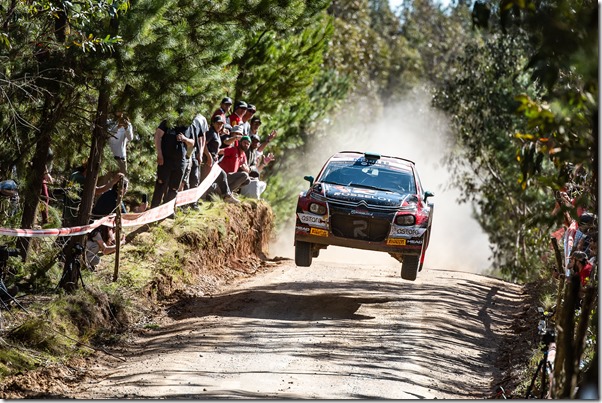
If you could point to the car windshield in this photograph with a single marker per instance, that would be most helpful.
(369, 175)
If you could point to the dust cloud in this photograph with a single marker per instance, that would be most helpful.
(410, 129)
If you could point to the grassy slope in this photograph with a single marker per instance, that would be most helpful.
(195, 253)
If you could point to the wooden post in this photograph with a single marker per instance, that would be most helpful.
(118, 229)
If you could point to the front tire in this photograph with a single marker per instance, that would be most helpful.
(409, 267)
(303, 254)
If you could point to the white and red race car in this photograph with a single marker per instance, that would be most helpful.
(365, 201)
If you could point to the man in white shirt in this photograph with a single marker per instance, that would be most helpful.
(120, 132)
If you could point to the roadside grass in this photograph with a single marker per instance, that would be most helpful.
(543, 293)
(156, 263)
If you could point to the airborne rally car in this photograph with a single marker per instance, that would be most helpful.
(365, 201)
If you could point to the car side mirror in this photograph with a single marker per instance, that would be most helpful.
(428, 194)
(310, 179)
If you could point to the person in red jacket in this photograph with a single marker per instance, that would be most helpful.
(235, 164)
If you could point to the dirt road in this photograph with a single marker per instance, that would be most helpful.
(332, 331)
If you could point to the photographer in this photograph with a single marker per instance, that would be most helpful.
(120, 132)
(101, 241)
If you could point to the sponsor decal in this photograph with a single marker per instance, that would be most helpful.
(406, 232)
(415, 241)
(313, 220)
(363, 196)
(301, 229)
(318, 232)
(396, 241)
(361, 212)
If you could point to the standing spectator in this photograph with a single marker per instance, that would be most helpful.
(46, 179)
(223, 109)
(120, 132)
(171, 142)
(192, 175)
(235, 165)
(210, 157)
(235, 119)
(246, 125)
(579, 264)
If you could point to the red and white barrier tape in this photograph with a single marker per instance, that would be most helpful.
(127, 220)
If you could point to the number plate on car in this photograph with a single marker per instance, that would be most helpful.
(318, 232)
(396, 241)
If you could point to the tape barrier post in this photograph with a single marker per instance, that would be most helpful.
(118, 230)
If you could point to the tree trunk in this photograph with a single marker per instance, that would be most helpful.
(71, 272)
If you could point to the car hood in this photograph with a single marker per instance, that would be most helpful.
(353, 194)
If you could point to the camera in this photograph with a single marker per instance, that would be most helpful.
(6, 252)
(78, 249)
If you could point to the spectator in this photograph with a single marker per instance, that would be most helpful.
(210, 157)
(101, 241)
(107, 202)
(223, 108)
(171, 142)
(246, 125)
(120, 132)
(73, 196)
(235, 165)
(46, 179)
(235, 119)
(255, 124)
(579, 264)
(231, 139)
(257, 161)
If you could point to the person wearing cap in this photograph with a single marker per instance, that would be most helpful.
(259, 160)
(223, 109)
(246, 125)
(231, 139)
(235, 118)
(255, 187)
(211, 154)
(579, 264)
(235, 164)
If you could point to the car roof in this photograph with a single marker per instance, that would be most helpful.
(353, 155)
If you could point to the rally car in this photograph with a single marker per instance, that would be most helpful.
(365, 201)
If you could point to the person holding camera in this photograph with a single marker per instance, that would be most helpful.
(101, 241)
(120, 132)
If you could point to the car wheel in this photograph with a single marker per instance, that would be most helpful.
(409, 267)
(423, 252)
(315, 253)
(303, 254)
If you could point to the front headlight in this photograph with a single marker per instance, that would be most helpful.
(317, 208)
(406, 219)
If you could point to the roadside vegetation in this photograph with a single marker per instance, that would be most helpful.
(517, 79)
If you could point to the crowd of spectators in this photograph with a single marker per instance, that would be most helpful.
(579, 235)
(186, 153)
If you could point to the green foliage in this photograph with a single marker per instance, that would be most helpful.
(480, 97)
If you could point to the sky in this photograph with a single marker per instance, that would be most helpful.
(395, 3)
